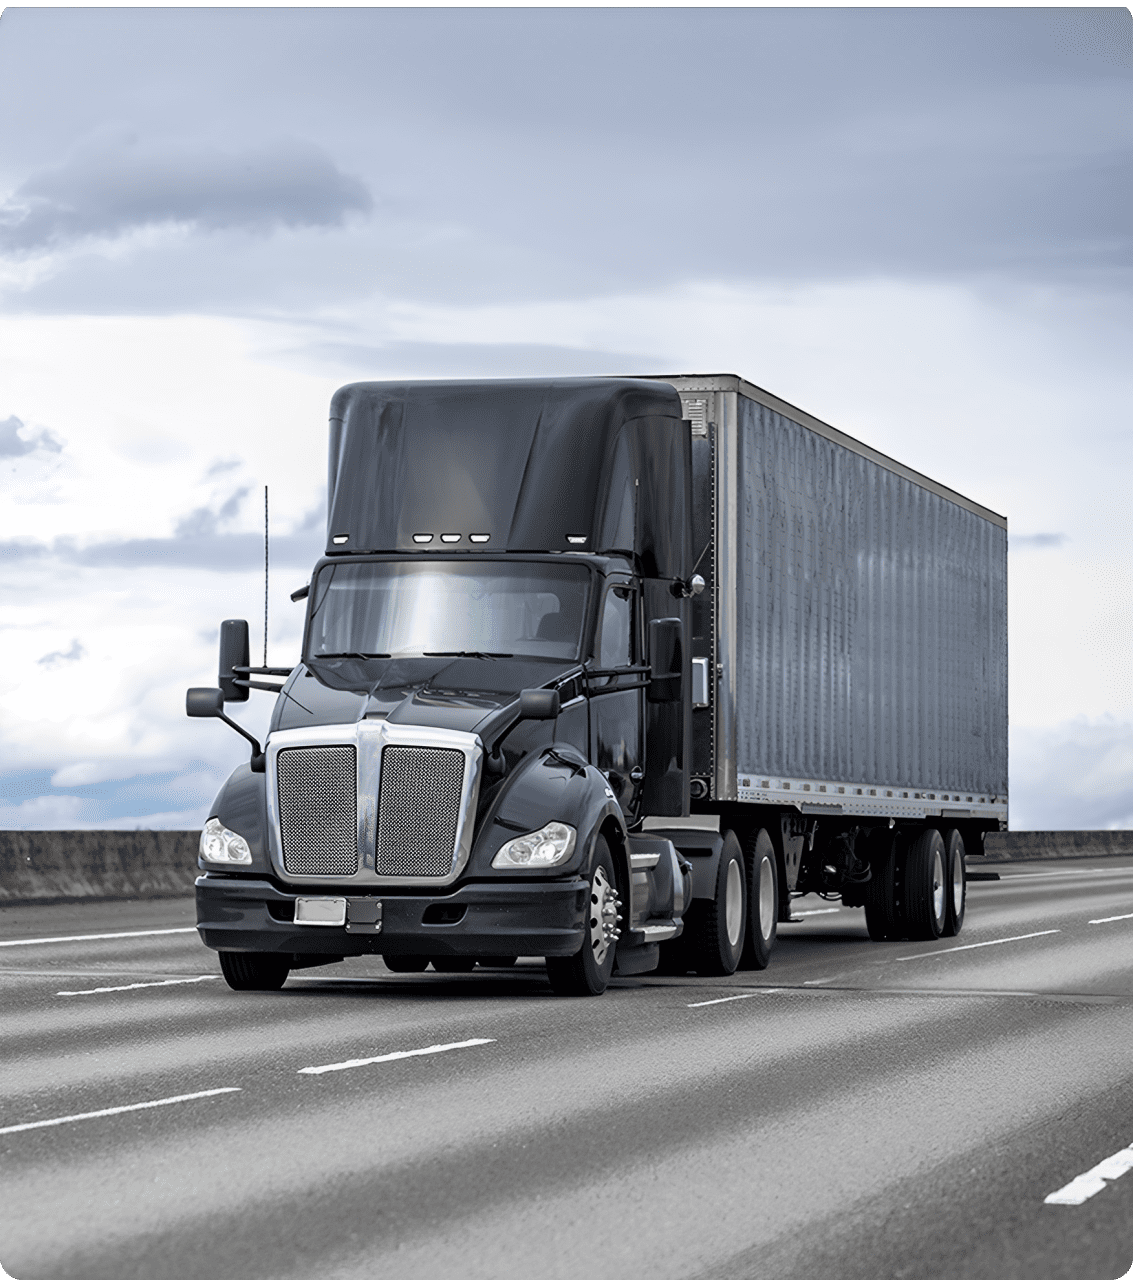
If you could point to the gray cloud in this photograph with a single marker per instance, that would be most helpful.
(900, 142)
(205, 522)
(1037, 541)
(73, 654)
(13, 445)
(1075, 777)
(115, 186)
(472, 360)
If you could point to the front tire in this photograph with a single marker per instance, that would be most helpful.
(588, 971)
(253, 970)
(714, 930)
(762, 878)
(883, 907)
(957, 881)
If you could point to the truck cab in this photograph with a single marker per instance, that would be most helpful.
(493, 696)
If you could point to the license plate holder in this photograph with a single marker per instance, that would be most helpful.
(329, 912)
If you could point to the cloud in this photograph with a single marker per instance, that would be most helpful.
(200, 549)
(1077, 776)
(13, 445)
(73, 654)
(112, 187)
(1026, 541)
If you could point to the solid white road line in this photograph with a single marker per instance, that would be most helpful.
(748, 995)
(1093, 1180)
(971, 946)
(117, 1111)
(391, 1057)
(93, 937)
(1111, 919)
(136, 986)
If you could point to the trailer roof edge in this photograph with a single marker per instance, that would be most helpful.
(733, 382)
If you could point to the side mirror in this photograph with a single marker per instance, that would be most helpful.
(233, 654)
(202, 703)
(539, 704)
(666, 657)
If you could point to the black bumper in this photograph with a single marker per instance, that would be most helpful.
(531, 918)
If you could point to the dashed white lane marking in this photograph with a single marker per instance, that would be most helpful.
(1093, 1180)
(747, 995)
(93, 937)
(136, 986)
(1110, 920)
(117, 1111)
(971, 946)
(391, 1057)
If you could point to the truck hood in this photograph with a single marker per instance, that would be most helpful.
(442, 693)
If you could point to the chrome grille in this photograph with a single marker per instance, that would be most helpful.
(418, 810)
(318, 810)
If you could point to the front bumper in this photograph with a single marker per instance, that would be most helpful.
(530, 918)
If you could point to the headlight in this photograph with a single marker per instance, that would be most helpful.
(546, 847)
(218, 844)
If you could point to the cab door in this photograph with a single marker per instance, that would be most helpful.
(616, 688)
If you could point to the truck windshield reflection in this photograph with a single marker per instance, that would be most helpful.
(448, 608)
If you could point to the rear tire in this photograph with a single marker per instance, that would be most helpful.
(406, 964)
(254, 970)
(714, 931)
(588, 971)
(762, 878)
(926, 886)
(956, 880)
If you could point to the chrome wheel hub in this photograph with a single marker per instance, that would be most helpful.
(604, 916)
(938, 887)
(734, 903)
(767, 908)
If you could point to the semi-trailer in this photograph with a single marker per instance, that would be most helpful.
(609, 671)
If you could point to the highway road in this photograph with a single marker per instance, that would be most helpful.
(857, 1111)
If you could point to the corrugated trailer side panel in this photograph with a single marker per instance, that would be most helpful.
(872, 644)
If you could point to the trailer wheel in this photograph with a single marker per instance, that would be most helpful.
(715, 929)
(588, 971)
(254, 970)
(883, 914)
(762, 901)
(926, 886)
(406, 964)
(957, 881)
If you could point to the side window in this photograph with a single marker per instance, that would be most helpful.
(616, 644)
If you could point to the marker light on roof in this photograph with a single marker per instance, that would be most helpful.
(422, 537)
(575, 540)
(340, 538)
(479, 537)
(450, 537)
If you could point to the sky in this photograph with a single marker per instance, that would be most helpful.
(912, 223)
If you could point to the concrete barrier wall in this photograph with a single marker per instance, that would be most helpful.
(37, 866)
(1024, 846)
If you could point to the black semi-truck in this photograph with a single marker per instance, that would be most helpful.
(608, 671)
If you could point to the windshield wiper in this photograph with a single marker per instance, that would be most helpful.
(467, 653)
(350, 655)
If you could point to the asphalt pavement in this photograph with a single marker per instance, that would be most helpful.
(857, 1111)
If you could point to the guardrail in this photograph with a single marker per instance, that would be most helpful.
(45, 866)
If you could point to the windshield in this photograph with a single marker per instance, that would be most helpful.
(399, 608)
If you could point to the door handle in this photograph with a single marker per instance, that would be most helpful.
(636, 774)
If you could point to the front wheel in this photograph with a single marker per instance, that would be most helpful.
(253, 970)
(588, 971)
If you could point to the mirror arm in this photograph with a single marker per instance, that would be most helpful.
(259, 760)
